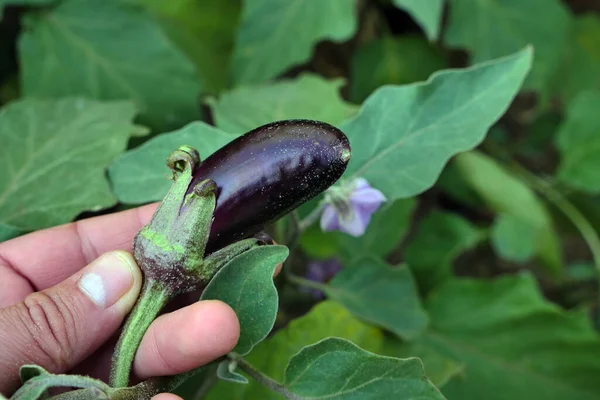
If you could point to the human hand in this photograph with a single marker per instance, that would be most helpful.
(62, 299)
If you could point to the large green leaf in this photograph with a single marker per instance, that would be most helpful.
(392, 60)
(578, 140)
(440, 238)
(495, 28)
(335, 368)
(246, 284)
(275, 35)
(378, 293)
(403, 135)
(54, 155)
(108, 50)
(582, 60)
(493, 183)
(141, 175)
(514, 344)
(308, 96)
(428, 13)
(272, 355)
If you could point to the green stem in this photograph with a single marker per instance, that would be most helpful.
(261, 378)
(153, 298)
(308, 283)
(310, 218)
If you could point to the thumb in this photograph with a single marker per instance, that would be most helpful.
(59, 327)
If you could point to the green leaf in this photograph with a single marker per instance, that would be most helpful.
(578, 141)
(438, 368)
(308, 96)
(493, 183)
(54, 156)
(582, 61)
(440, 238)
(514, 344)
(204, 31)
(141, 175)
(108, 50)
(226, 372)
(335, 368)
(383, 295)
(428, 14)
(271, 356)
(514, 239)
(275, 35)
(403, 135)
(392, 60)
(8, 232)
(246, 284)
(495, 28)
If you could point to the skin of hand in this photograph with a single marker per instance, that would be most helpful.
(65, 291)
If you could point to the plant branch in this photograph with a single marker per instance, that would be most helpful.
(261, 378)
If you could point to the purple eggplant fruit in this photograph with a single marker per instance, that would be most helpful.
(268, 172)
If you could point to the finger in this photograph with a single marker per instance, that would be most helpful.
(61, 326)
(166, 396)
(47, 257)
(186, 339)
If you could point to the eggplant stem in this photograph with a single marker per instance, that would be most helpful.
(153, 298)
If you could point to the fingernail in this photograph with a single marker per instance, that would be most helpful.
(107, 279)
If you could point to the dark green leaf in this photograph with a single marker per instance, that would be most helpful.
(378, 293)
(427, 13)
(275, 35)
(141, 175)
(403, 135)
(246, 284)
(392, 60)
(54, 156)
(108, 50)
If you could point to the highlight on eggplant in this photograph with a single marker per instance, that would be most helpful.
(269, 171)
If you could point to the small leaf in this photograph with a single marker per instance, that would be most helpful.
(495, 28)
(514, 344)
(579, 144)
(141, 175)
(226, 371)
(29, 371)
(392, 60)
(108, 50)
(440, 238)
(36, 381)
(246, 284)
(271, 356)
(492, 183)
(269, 39)
(54, 155)
(514, 239)
(427, 13)
(306, 97)
(378, 293)
(403, 135)
(335, 368)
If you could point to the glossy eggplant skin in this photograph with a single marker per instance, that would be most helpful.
(269, 171)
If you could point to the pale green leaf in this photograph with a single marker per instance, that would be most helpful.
(306, 97)
(427, 13)
(275, 35)
(54, 154)
(493, 183)
(440, 238)
(403, 135)
(271, 356)
(335, 368)
(392, 60)
(246, 284)
(108, 50)
(578, 141)
(141, 175)
(226, 372)
(513, 238)
(513, 343)
(381, 294)
(495, 28)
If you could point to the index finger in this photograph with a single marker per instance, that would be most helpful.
(49, 256)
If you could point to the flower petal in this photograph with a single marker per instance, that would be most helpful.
(329, 219)
(356, 224)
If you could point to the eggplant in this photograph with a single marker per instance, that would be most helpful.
(269, 171)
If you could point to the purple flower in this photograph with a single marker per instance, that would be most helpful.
(349, 208)
(321, 271)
